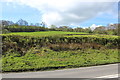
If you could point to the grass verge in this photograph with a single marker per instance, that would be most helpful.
(46, 59)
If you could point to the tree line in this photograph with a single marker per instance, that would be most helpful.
(23, 26)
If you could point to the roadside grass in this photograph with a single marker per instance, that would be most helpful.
(46, 59)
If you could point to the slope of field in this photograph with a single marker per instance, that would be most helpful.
(32, 51)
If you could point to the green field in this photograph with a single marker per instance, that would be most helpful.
(33, 51)
(44, 33)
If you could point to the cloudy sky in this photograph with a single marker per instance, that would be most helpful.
(61, 12)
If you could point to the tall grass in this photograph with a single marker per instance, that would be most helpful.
(46, 59)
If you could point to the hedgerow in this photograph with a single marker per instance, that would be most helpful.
(31, 53)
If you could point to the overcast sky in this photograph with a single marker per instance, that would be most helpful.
(61, 12)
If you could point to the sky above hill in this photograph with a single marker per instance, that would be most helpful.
(61, 12)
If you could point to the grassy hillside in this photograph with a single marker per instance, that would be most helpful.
(46, 59)
(32, 51)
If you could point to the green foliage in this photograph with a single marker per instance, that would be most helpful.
(44, 33)
(56, 49)
(23, 43)
(45, 59)
(15, 28)
(4, 31)
(112, 30)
